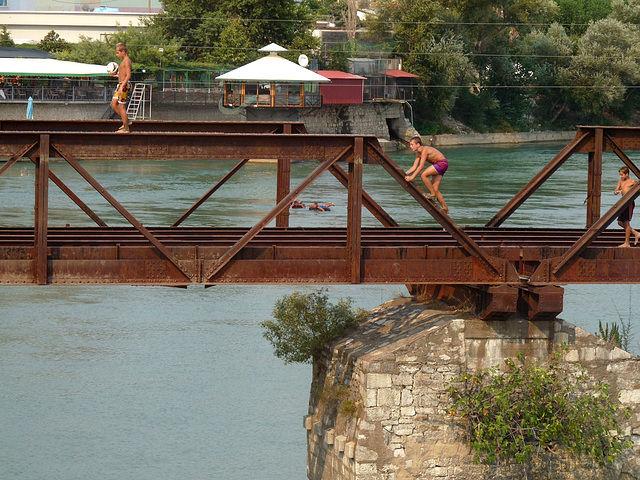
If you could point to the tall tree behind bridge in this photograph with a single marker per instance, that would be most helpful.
(230, 31)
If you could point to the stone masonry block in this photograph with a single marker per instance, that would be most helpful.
(363, 454)
(350, 449)
(339, 443)
(371, 398)
(378, 380)
(388, 397)
(376, 414)
(307, 422)
(317, 428)
(403, 378)
(329, 436)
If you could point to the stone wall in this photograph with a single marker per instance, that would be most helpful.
(366, 119)
(379, 396)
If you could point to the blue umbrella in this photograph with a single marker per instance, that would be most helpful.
(30, 109)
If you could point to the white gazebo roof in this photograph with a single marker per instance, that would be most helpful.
(48, 67)
(272, 68)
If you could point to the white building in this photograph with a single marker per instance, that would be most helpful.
(31, 27)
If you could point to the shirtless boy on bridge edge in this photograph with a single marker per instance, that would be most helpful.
(121, 95)
(436, 170)
(624, 185)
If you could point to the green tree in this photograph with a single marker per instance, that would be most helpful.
(605, 65)
(542, 54)
(5, 38)
(203, 26)
(88, 50)
(143, 43)
(626, 11)
(528, 409)
(474, 41)
(304, 322)
(577, 14)
(52, 43)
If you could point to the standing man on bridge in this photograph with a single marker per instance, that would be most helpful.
(624, 185)
(436, 170)
(121, 95)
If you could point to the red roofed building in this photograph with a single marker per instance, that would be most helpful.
(345, 88)
(393, 85)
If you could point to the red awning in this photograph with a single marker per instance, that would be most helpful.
(337, 74)
(398, 74)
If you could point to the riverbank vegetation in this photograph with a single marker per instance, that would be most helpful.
(493, 66)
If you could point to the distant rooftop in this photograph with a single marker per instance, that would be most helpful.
(16, 52)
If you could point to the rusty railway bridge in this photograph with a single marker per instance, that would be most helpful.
(502, 270)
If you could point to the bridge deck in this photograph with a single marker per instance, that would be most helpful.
(122, 255)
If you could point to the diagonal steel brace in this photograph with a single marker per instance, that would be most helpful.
(125, 213)
(464, 240)
(596, 229)
(284, 203)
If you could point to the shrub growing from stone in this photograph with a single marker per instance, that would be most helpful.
(304, 322)
(529, 409)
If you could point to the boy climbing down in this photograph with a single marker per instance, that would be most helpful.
(436, 170)
(624, 185)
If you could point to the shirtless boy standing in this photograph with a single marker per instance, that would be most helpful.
(436, 170)
(121, 95)
(624, 185)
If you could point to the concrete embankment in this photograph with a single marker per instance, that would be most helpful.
(452, 140)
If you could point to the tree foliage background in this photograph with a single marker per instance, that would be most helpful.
(494, 65)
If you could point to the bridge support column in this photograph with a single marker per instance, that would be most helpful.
(283, 188)
(594, 180)
(41, 211)
(497, 302)
(540, 303)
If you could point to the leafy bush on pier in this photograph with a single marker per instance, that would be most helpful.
(528, 409)
(304, 322)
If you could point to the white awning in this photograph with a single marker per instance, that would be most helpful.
(272, 68)
(48, 67)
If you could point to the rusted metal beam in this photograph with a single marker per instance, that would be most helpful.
(528, 190)
(541, 303)
(354, 211)
(124, 212)
(151, 126)
(623, 156)
(41, 210)
(283, 187)
(284, 203)
(25, 151)
(213, 189)
(169, 145)
(626, 138)
(594, 179)
(67, 191)
(596, 229)
(369, 203)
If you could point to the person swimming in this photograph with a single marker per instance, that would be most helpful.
(321, 208)
(296, 204)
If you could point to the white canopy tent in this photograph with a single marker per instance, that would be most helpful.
(48, 67)
(271, 81)
(272, 68)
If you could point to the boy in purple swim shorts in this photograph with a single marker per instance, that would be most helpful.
(436, 170)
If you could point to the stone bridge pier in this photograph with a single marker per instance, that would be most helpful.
(379, 397)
